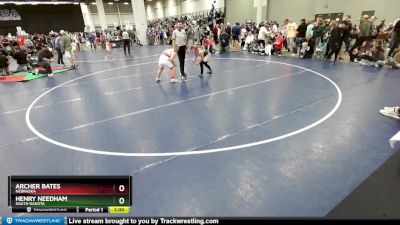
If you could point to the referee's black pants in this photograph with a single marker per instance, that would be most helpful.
(181, 56)
(127, 44)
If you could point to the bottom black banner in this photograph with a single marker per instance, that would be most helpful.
(206, 221)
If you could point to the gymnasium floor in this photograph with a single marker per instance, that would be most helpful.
(262, 136)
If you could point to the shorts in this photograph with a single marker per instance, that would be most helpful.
(164, 62)
(235, 37)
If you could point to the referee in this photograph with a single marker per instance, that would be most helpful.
(179, 38)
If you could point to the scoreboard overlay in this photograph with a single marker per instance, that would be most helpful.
(88, 194)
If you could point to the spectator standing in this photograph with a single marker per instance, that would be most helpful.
(126, 40)
(57, 44)
(310, 26)
(92, 39)
(318, 32)
(236, 31)
(336, 38)
(347, 33)
(190, 36)
(291, 29)
(395, 38)
(224, 42)
(66, 45)
(365, 32)
(301, 35)
(261, 36)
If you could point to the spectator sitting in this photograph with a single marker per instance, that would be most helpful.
(395, 61)
(307, 49)
(278, 45)
(4, 65)
(376, 57)
(249, 40)
(359, 51)
(45, 58)
(21, 57)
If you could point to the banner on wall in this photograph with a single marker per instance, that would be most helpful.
(9, 15)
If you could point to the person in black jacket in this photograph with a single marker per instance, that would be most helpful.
(301, 35)
(302, 29)
(347, 33)
(318, 32)
(224, 39)
(21, 57)
(336, 38)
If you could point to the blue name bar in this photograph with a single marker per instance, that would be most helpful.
(9, 220)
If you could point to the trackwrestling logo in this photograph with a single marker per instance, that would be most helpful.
(33, 220)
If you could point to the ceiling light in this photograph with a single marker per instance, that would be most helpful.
(126, 3)
(93, 3)
(76, 3)
(111, 3)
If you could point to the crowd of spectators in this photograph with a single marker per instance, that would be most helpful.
(366, 41)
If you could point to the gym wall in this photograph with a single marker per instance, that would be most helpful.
(241, 10)
(282, 9)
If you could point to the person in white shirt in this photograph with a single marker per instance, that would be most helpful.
(261, 35)
(274, 28)
(126, 41)
(242, 36)
(291, 29)
(249, 40)
(167, 60)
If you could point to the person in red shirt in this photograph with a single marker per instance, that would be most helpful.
(214, 31)
(21, 41)
(278, 45)
(207, 43)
